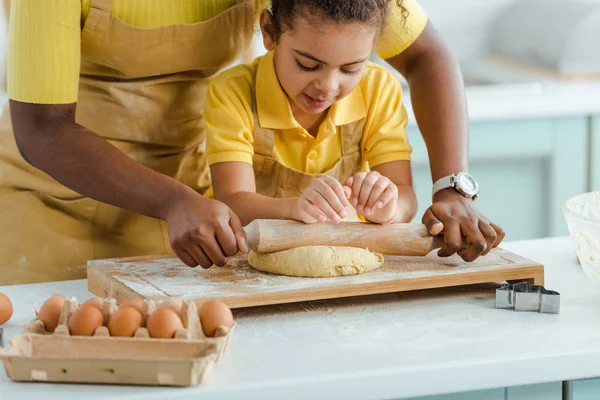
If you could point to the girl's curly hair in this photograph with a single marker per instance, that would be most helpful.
(372, 12)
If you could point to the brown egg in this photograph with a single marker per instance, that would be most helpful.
(6, 308)
(85, 320)
(97, 302)
(138, 304)
(173, 304)
(213, 314)
(124, 322)
(163, 323)
(50, 311)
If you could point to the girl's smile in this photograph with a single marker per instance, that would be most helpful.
(318, 105)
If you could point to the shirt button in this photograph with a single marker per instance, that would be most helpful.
(312, 155)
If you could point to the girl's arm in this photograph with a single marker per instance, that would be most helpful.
(400, 173)
(234, 185)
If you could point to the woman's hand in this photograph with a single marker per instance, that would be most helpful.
(373, 195)
(204, 231)
(323, 199)
(456, 216)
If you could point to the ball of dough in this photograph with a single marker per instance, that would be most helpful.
(317, 261)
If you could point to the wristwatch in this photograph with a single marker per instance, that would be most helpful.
(462, 182)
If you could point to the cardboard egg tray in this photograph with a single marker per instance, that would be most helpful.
(185, 360)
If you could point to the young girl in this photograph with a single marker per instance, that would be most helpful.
(312, 131)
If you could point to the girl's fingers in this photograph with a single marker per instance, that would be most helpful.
(338, 189)
(307, 208)
(349, 182)
(365, 190)
(356, 185)
(374, 200)
(331, 197)
(389, 195)
(322, 204)
(348, 193)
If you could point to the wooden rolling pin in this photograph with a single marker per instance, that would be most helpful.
(268, 236)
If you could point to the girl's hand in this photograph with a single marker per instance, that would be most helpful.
(323, 199)
(455, 216)
(373, 195)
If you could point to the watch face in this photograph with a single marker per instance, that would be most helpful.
(467, 183)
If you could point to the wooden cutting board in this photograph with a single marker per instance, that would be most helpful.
(239, 285)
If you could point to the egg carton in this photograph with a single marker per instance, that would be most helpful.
(185, 360)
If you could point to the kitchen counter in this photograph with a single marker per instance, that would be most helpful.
(514, 101)
(497, 92)
(385, 346)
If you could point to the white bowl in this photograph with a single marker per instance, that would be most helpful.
(582, 213)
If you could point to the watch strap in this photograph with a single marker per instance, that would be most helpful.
(442, 183)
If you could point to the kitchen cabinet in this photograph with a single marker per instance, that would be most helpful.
(526, 170)
(492, 394)
(543, 391)
(582, 389)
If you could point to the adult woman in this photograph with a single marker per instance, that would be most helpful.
(107, 156)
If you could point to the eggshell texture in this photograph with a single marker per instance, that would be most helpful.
(163, 323)
(173, 304)
(6, 308)
(138, 304)
(125, 322)
(85, 320)
(97, 302)
(50, 311)
(213, 314)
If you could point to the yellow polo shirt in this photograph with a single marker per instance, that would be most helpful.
(230, 119)
(45, 37)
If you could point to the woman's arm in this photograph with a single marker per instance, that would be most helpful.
(43, 83)
(234, 185)
(49, 139)
(438, 99)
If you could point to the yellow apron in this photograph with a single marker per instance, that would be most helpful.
(143, 90)
(277, 180)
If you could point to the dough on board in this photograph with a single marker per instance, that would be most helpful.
(317, 261)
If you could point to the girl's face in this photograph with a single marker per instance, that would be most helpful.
(319, 64)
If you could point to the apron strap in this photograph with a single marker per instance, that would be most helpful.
(264, 139)
(102, 5)
(352, 134)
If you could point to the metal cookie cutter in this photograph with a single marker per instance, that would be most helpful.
(525, 297)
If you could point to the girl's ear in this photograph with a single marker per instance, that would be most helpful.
(268, 30)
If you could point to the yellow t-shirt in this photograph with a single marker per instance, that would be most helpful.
(230, 119)
(44, 46)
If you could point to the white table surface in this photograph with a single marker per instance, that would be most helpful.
(384, 346)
